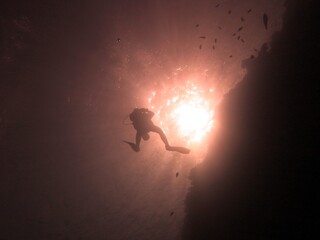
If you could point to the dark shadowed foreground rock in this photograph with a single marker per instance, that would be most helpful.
(259, 180)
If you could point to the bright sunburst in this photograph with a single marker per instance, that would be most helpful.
(184, 111)
(194, 121)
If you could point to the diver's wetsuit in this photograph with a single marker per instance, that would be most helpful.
(141, 119)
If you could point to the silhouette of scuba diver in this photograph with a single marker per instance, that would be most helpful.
(141, 121)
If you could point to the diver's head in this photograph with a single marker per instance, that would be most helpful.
(145, 136)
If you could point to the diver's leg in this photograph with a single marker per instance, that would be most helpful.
(161, 134)
(135, 146)
(165, 140)
(138, 140)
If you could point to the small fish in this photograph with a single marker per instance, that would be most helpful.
(215, 40)
(220, 27)
(242, 19)
(171, 213)
(218, 5)
(118, 39)
(238, 38)
(256, 50)
(242, 40)
(230, 56)
(229, 12)
(200, 46)
(252, 56)
(239, 29)
(265, 21)
(177, 174)
(249, 10)
(233, 34)
(203, 37)
(213, 47)
(197, 25)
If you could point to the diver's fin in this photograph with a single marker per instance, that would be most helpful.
(133, 146)
(182, 150)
